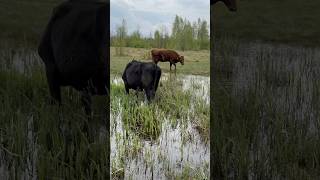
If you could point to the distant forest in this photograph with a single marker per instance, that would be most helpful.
(185, 36)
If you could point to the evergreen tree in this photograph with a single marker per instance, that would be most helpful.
(157, 39)
(185, 35)
(120, 40)
(204, 35)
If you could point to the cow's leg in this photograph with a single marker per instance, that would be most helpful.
(127, 88)
(86, 101)
(158, 76)
(170, 65)
(53, 82)
(147, 91)
(175, 67)
(137, 93)
(150, 93)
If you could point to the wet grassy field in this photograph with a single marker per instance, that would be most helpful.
(197, 61)
(266, 98)
(168, 138)
(265, 111)
(42, 141)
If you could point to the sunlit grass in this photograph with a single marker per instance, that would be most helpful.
(196, 62)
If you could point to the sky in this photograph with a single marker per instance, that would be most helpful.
(149, 15)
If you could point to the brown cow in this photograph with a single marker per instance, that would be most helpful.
(231, 4)
(165, 55)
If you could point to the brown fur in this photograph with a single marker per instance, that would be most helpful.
(166, 55)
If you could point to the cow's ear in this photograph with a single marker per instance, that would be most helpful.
(60, 11)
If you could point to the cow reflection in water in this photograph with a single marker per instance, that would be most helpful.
(142, 76)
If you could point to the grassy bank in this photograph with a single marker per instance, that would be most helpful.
(196, 62)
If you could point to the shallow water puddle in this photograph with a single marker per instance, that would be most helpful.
(177, 150)
(199, 85)
(167, 155)
(29, 171)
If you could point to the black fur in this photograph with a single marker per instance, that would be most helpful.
(142, 76)
(75, 48)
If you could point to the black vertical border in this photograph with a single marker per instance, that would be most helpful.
(211, 91)
(108, 96)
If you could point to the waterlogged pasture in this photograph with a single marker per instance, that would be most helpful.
(196, 62)
(167, 139)
(266, 101)
(42, 141)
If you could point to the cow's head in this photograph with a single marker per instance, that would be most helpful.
(182, 60)
(231, 4)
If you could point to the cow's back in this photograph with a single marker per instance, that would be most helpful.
(141, 75)
(170, 55)
(132, 74)
(156, 54)
(164, 55)
(79, 42)
(149, 73)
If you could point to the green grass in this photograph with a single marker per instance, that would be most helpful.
(266, 99)
(145, 123)
(49, 137)
(170, 102)
(285, 21)
(172, 106)
(196, 62)
(22, 22)
(266, 91)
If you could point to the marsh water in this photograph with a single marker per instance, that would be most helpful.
(275, 87)
(274, 73)
(177, 149)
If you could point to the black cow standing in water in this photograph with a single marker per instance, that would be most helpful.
(142, 76)
(74, 49)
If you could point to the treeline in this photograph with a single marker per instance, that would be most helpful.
(185, 36)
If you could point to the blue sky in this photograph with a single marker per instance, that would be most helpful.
(149, 15)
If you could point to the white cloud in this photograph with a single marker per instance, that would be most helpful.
(149, 15)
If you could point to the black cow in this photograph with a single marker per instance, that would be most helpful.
(142, 76)
(231, 4)
(75, 49)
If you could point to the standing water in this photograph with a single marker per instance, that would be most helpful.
(178, 151)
